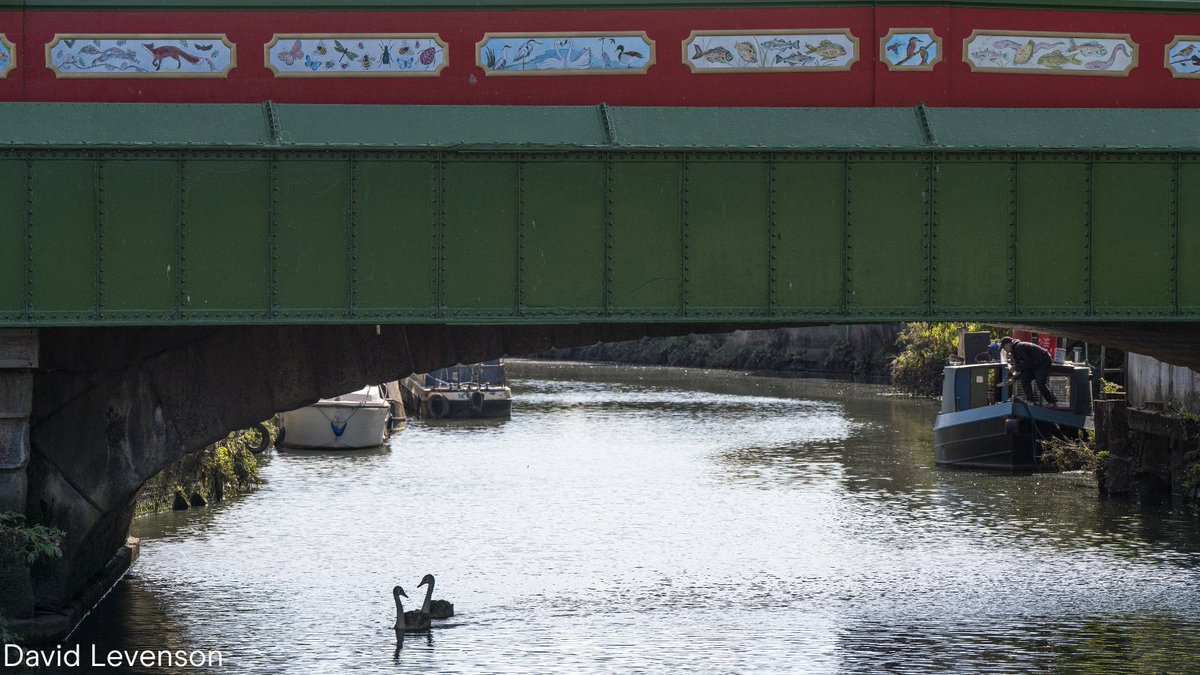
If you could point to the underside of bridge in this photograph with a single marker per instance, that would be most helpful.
(111, 407)
(188, 270)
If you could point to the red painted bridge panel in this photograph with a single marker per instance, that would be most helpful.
(668, 82)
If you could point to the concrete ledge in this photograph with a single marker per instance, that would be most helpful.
(53, 627)
(1155, 421)
(18, 348)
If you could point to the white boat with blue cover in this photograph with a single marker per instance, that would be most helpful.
(347, 422)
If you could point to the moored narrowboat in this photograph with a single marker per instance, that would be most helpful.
(982, 425)
(461, 391)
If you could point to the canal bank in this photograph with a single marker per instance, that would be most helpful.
(624, 515)
(211, 475)
(859, 351)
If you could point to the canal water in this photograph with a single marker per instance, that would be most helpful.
(658, 520)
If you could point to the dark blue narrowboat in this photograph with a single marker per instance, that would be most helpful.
(982, 425)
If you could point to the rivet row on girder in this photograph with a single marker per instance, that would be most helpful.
(1173, 241)
(181, 241)
(1011, 270)
(684, 236)
(100, 213)
(608, 232)
(1087, 234)
(28, 309)
(929, 236)
(520, 236)
(352, 241)
(272, 239)
(439, 238)
(847, 223)
(772, 236)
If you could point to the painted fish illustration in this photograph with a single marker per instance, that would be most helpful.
(827, 50)
(1006, 44)
(1092, 48)
(1107, 63)
(1056, 60)
(747, 51)
(1026, 52)
(795, 59)
(990, 56)
(714, 55)
(779, 44)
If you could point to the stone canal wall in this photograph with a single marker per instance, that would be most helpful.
(861, 350)
(1148, 379)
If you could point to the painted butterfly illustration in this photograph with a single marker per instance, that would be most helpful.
(204, 48)
(69, 43)
(404, 63)
(289, 57)
(311, 63)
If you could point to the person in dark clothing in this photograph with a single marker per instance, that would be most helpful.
(1030, 363)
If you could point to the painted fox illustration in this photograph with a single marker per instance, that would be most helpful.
(169, 52)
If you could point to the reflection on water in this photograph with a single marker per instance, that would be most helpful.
(664, 520)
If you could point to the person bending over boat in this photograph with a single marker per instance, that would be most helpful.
(1030, 363)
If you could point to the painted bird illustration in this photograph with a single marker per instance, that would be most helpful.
(503, 62)
(628, 57)
(524, 51)
(913, 50)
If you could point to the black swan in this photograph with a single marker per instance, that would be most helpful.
(409, 622)
(436, 609)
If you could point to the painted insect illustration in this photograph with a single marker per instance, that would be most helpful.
(290, 56)
(346, 53)
(385, 57)
(427, 55)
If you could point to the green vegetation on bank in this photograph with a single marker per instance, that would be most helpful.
(222, 469)
(21, 546)
(24, 543)
(924, 350)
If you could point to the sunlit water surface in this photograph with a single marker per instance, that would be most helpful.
(640, 519)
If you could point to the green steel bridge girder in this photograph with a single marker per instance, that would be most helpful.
(278, 232)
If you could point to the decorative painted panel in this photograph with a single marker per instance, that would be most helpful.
(366, 55)
(910, 49)
(770, 50)
(565, 53)
(8, 56)
(1181, 57)
(1050, 53)
(141, 55)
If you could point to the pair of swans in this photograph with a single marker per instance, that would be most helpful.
(417, 620)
